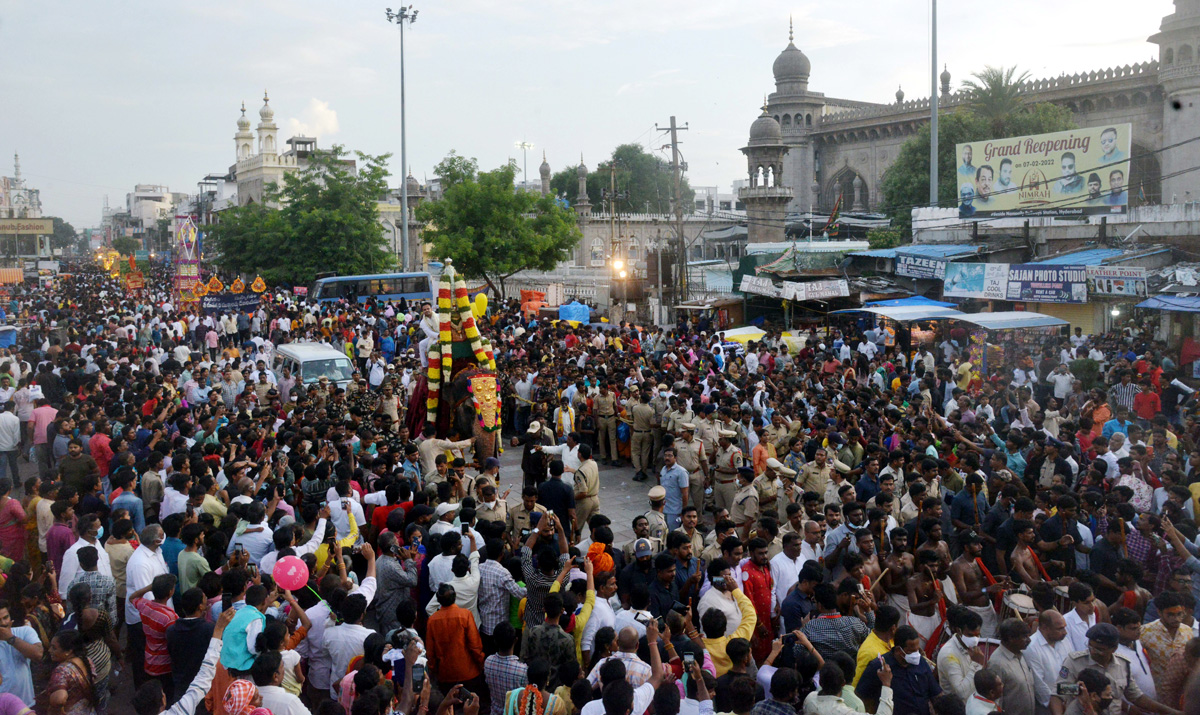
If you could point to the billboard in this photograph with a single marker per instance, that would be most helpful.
(760, 286)
(1081, 172)
(816, 290)
(988, 281)
(27, 226)
(1116, 281)
(920, 266)
(1042, 283)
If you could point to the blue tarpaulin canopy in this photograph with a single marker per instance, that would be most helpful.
(908, 313)
(575, 311)
(911, 300)
(1173, 303)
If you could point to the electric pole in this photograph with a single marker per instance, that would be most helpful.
(677, 169)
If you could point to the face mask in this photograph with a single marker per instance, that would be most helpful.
(100, 533)
(490, 504)
(913, 658)
(969, 641)
(1104, 703)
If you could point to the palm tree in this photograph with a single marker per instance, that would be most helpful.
(995, 96)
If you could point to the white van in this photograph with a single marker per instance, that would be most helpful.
(310, 362)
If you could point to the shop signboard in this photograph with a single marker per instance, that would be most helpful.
(986, 281)
(920, 266)
(760, 286)
(1042, 283)
(1118, 281)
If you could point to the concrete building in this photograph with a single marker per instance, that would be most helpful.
(767, 197)
(841, 147)
(17, 200)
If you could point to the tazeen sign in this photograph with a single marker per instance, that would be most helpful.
(1040, 283)
(920, 267)
(27, 226)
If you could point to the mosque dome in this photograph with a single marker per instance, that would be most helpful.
(791, 65)
(945, 76)
(582, 171)
(544, 169)
(243, 122)
(413, 185)
(266, 113)
(765, 130)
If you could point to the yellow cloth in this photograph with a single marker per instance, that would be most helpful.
(872, 648)
(323, 550)
(581, 619)
(716, 646)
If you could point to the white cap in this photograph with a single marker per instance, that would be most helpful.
(445, 508)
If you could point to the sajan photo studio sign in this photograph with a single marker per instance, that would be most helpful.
(1041, 283)
(1081, 172)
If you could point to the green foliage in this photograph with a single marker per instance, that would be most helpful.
(994, 111)
(646, 178)
(995, 96)
(885, 237)
(64, 234)
(329, 221)
(126, 245)
(1086, 371)
(491, 231)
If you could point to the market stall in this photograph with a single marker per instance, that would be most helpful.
(1000, 338)
(908, 325)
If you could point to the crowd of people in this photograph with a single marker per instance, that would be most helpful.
(835, 525)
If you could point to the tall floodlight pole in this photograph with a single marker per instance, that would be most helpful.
(933, 110)
(524, 147)
(406, 15)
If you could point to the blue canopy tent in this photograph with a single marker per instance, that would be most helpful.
(8, 336)
(913, 300)
(1173, 303)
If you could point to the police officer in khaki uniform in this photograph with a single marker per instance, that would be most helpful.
(692, 456)
(655, 517)
(707, 430)
(491, 506)
(678, 415)
(658, 425)
(768, 492)
(744, 512)
(776, 433)
(815, 474)
(641, 532)
(587, 488)
(641, 442)
(729, 459)
(605, 406)
(518, 516)
(1101, 654)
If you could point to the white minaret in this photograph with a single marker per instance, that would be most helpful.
(267, 141)
(243, 141)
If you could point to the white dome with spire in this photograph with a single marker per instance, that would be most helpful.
(266, 113)
(243, 122)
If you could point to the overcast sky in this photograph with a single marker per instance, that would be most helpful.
(99, 96)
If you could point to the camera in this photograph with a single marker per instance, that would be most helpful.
(578, 561)
(789, 640)
(1068, 688)
(418, 677)
(718, 583)
(689, 659)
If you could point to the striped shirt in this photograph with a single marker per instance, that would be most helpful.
(1123, 394)
(156, 618)
(538, 585)
(496, 586)
(104, 593)
(503, 673)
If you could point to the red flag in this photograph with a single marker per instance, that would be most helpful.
(831, 226)
(132, 264)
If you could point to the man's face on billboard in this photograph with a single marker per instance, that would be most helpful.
(1116, 182)
(983, 184)
(1094, 188)
(1006, 173)
(967, 156)
(1068, 167)
(1108, 143)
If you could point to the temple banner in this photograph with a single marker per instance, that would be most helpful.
(1081, 172)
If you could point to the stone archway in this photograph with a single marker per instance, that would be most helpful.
(842, 184)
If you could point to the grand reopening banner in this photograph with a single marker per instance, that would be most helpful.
(1074, 173)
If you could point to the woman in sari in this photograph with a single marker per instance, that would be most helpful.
(98, 637)
(72, 690)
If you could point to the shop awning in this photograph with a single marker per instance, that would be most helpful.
(11, 276)
(743, 335)
(1173, 303)
(911, 300)
(908, 313)
(1011, 320)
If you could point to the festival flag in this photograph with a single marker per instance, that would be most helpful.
(259, 285)
(132, 263)
(237, 286)
(199, 291)
(833, 225)
(215, 285)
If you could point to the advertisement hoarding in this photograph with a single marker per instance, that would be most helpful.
(1081, 172)
(1041, 283)
(229, 302)
(816, 290)
(920, 267)
(1116, 281)
(26, 226)
(987, 281)
(759, 286)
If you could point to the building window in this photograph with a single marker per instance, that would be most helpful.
(597, 252)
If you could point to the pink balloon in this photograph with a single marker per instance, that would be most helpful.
(290, 573)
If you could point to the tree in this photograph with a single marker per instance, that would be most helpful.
(645, 178)
(329, 221)
(884, 238)
(492, 231)
(906, 182)
(126, 245)
(995, 97)
(64, 234)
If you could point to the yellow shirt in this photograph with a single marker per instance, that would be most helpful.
(716, 646)
(872, 648)
(323, 551)
(581, 619)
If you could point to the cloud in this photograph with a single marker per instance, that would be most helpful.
(317, 120)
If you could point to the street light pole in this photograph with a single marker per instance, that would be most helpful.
(406, 14)
(524, 146)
